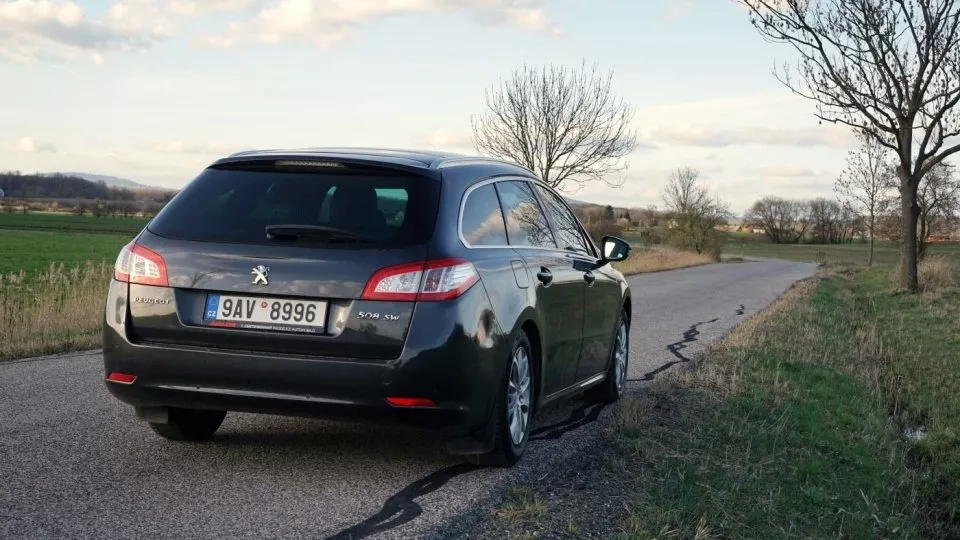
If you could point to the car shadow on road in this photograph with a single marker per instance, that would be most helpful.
(351, 440)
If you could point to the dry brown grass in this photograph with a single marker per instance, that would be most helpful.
(643, 261)
(633, 412)
(936, 273)
(522, 504)
(56, 310)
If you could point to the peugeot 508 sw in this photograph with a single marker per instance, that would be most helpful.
(456, 292)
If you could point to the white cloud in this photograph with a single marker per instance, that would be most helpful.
(676, 9)
(139, 17)
(181, 147)
(59, 30)
(719, 137)
(785, 170)
(204, 7)
(324, 23)
(442, 139)
(27, 145)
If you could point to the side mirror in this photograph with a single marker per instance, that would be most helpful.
(614, 249)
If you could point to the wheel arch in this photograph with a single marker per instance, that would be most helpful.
(528, 324)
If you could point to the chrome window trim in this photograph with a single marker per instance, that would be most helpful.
(534, 184)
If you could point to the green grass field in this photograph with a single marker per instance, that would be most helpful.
(884, 253)
(71, 223)
(32, 242)
(35, 251)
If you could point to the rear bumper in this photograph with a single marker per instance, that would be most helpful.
(448, 360)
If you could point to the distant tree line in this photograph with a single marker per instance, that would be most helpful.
(817, 221)
(33, 186)
(63, 193)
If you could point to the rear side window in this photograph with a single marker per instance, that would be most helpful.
(526, 224)
(482, 221)
(236, 206)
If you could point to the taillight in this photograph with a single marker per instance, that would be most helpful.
(441, 279)
(137, 264)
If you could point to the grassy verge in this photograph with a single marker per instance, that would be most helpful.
(793, 427)
(643, 261)
(53, 311)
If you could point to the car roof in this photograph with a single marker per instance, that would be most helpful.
(402, 158)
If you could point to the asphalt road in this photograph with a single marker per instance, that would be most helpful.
(75, 463)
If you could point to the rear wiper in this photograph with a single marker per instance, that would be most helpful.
(285, 232)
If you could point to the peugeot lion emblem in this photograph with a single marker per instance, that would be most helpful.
(260, 275)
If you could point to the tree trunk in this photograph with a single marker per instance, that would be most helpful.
(922, 235)
(908, 244)
(873, 221)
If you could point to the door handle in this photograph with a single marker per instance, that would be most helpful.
(545, 276)
(589, 277)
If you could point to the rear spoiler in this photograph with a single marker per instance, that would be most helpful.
(323, 164)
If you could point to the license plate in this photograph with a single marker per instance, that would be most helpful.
(259, 313)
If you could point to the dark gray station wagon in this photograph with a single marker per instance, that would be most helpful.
(455, 292)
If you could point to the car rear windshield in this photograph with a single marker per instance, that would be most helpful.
(340, 210)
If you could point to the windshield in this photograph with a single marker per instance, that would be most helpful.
(237, 206)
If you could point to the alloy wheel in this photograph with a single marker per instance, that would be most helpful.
(620, 355)
(518, 396)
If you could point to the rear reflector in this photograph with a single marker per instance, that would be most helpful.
(122, 378)
(410, 402)
(440, 279)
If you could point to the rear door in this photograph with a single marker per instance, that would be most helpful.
(558, 283)
(299, 291)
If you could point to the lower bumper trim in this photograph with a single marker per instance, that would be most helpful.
(254, 394)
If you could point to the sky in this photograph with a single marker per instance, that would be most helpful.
(155, 90)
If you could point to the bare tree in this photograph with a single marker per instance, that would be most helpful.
(890, 68)
(692, 211)
(783, 221)
(866, 185)
(939, 199)
(565, 125)
(830, 222)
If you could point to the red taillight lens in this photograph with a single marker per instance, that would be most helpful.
(122, 378)
(397, 283)
(441, 279)
(137, 264)
(410, 402)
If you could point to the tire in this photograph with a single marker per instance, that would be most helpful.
(512, 431)
(190, 424)
(611, 389)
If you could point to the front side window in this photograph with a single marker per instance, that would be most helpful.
(526, 224)
(482, 221)
(565, 224)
